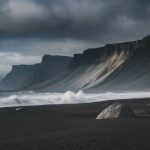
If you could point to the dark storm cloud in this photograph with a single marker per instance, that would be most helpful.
(83, 20)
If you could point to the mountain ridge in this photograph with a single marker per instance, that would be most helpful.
(96, 69)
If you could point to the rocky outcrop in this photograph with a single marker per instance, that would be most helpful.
(91, 56)
(116, 110)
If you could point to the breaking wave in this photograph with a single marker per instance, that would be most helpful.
(32, 98)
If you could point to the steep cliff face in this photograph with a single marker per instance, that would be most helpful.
(94, 66)
(134, 73)
(96, 55)
(27, 76)
(114, 67)
(19, 77)
(50, 67)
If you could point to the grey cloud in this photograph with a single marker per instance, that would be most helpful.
(41, 47)
(83, 20)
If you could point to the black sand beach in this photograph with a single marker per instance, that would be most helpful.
(73, 127)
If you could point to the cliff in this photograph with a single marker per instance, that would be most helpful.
(20, 76)
(114, 67)
(25, 76)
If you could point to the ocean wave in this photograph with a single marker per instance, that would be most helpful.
(69, 97)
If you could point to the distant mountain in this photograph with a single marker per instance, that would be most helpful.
(24, 77)
(19, 77)
(114, 67)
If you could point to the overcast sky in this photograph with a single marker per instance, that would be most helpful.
(32, 28)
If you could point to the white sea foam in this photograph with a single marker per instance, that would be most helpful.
(32, 98)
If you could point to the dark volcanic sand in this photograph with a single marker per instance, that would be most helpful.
(73, 127)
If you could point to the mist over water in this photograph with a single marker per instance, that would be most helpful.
(32, 98)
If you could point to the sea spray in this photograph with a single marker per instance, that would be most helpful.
(69, 97)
